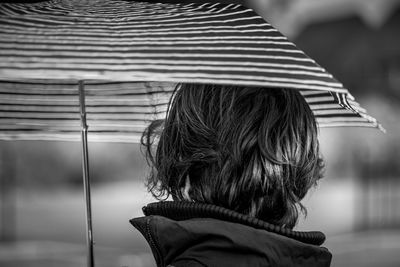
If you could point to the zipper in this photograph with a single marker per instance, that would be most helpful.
(153, 245)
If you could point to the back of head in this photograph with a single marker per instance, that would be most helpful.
(252, 150)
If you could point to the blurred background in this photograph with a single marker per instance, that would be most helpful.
(357, 204)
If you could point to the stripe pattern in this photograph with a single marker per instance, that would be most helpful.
(131, 54)
(120, 111)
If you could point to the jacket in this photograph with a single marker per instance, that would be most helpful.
(193, 234)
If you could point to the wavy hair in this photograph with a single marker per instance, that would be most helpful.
(252, 150)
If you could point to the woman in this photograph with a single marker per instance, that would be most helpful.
(236, 161)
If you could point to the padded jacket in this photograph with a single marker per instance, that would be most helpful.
(193, 235)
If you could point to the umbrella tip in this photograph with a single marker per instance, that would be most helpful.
(380, 127)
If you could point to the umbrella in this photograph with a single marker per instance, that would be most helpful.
(112, 65)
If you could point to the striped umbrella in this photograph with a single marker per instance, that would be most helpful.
(112, 65)
(120, 48)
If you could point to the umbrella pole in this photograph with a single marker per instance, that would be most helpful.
(86, 180)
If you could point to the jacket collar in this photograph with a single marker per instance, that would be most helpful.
(183, 210)
(218, 237)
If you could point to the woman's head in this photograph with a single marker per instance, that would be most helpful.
(248, 149)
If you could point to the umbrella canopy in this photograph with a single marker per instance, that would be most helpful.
(130, 55)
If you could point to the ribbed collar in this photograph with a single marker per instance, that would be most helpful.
(178, 211)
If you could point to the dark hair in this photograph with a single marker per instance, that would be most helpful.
(248, 149)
